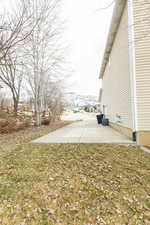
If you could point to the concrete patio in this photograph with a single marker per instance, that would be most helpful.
(84, 132)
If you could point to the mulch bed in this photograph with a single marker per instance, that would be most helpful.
(9, 141)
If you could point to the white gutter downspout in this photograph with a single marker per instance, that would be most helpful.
(132, 68)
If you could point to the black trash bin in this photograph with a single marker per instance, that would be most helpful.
(99, 118)
(105, 122)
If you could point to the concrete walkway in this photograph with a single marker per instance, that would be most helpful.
(84, 132)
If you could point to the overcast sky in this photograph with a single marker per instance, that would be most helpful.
(88, 26)
(86, 31)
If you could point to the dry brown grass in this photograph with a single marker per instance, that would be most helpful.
(72, 184)
(9, 141)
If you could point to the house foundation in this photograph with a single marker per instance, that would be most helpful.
(124, 130)
(143, 138)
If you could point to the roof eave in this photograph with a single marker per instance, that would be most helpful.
(116, 18)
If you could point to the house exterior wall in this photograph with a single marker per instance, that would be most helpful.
(116, 95)
(141, 15)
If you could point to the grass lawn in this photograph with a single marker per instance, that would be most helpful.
(72, 184)
(9, 141)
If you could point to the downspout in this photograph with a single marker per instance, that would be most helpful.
(132, 65)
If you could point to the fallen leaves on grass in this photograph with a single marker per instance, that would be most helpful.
(10, 141)
(71, 184)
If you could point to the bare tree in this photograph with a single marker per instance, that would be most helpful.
(11, 74)
(34, 30)
(15, 27)
(5, 100)
(54, 99)
(2, 97)
(42, 51)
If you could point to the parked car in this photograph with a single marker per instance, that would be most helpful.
(76, 110)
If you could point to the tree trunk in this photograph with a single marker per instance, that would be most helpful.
(15, 107)
(37, 114)
(38, 119)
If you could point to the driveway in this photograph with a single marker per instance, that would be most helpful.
(84, 132)
(78, 116)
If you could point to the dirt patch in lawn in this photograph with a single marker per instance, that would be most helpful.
(9, 141)
(72, 184)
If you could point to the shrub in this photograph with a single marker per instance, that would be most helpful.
(3, 122)
(11, 125)
(46, 121)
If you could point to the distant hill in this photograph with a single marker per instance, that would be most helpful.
(75, 99)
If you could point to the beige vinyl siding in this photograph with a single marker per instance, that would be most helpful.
(141, 11)
(116, 93)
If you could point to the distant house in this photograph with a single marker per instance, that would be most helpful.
(125, 70)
